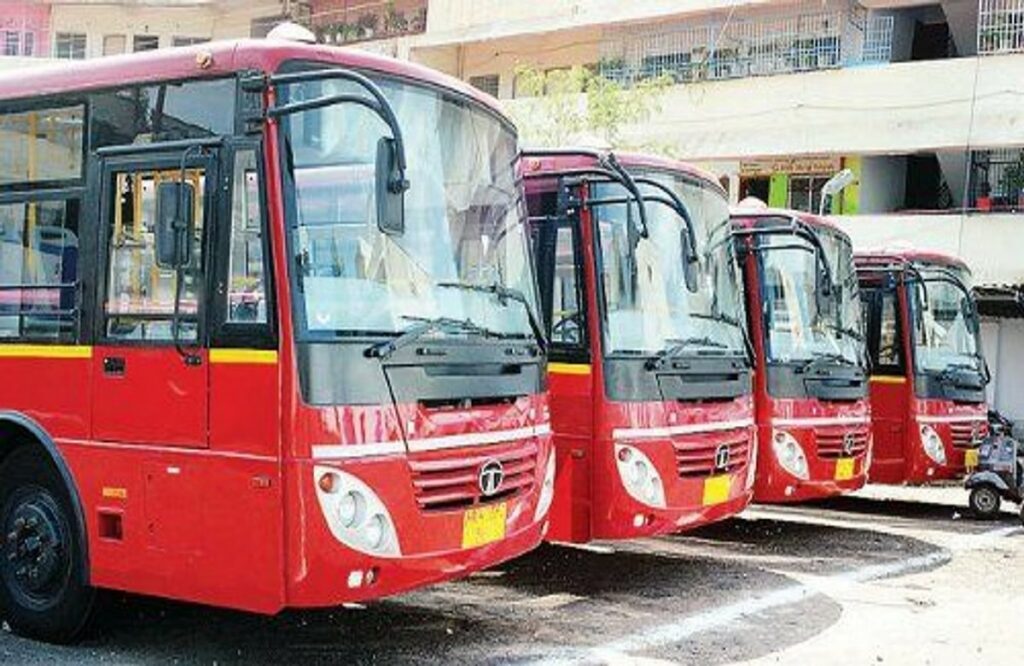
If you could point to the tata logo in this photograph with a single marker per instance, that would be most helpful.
(849, 442)
(492, 474)
(722, 458)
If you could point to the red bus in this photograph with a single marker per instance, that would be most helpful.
(811, 388)
(650, 372)
(269, 333)
(929, 375)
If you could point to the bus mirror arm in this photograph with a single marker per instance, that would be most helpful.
(690, 258)
(391, 165)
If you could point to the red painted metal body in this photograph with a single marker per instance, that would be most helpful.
(590, 499)
(210, 467)
(898, 413)
(819, 426)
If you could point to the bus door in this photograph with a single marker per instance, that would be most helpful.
(890, 391)
(150, 369)
(560, 274)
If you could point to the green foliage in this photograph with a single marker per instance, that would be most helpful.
(555, 107)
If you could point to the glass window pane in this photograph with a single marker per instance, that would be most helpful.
(566, 321)
(888, 341)
(140, 294)
(41, 145)
(247, 296)
(38, 270)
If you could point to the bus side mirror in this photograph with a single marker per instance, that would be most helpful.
(175, 224)
(391, 187)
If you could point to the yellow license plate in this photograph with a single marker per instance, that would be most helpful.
(484, 525)
(844, 469)
(716, 489)
(971, 458)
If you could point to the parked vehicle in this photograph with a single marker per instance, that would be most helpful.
(928, 372)
(999, 476)
(302, 363)
(650, 374)
(811, 388)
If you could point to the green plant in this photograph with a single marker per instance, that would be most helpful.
(558, 105)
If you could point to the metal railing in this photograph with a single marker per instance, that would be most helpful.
(731, 48)
(1000, 26)
(997, 179)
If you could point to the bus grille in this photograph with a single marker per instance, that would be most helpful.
(832, 443)
(442, 482)
(964, 434)
(697, 459)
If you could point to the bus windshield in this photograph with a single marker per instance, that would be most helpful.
(800, 324)
(464, 217)
(647, 306)
(944, 323)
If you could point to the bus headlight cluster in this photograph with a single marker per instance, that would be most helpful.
(547, 489)
(639, 476)
(790, 454)
(932, 445)
(355, 514)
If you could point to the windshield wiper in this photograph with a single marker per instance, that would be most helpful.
(504, 295)
(822, 357)
(681, 345)
(423, 326)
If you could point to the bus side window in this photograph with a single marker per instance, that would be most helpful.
(559, 275)
(247, 286)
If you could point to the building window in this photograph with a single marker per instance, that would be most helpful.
(188, 41)
(28, 47)
(114, 44)
(488, 84)
(69, 46)
(997, 179)
(12, 45)
(247, 287)
(145, 43)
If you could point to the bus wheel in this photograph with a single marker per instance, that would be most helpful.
(42, 594)
(985, 501)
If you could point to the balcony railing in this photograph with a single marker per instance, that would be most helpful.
(349, 21)
(1000, 26)
(732, 48)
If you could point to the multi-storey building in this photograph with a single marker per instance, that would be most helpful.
(921, 99)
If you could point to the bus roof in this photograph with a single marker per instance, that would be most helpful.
(907, 256)
(551, 161)
(743, 216)
(211, 59)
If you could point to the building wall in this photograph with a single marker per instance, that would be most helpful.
(882, 184)
(1003, 341)
(197, 20)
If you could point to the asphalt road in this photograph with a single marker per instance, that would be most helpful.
(754, 587)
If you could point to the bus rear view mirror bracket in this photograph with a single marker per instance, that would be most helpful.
(175, 224)
(391, 187)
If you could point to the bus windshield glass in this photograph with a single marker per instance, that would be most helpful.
(464, 217)
(647, 306)
(943, 323)
(801, 324)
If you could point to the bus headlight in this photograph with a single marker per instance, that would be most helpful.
(932, 445)
(547, 489)
(355, 514)
(790, 454)
(639, 476)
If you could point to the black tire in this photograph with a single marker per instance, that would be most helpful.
(985, 502)
(42, 593)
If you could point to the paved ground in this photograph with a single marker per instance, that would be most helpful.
(891, 575)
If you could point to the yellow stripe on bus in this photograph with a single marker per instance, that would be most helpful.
(569, 368)
(249, 356)
(45, 351)
(886, 379)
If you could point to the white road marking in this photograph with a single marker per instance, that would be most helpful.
(674, 633)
